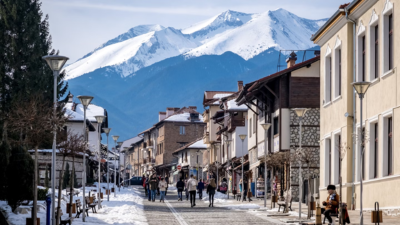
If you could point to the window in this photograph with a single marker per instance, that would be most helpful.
(338, 72)
(387, 161)
(328, 77)
(375, 151)
(328, 161)
(181, 130)
(390, 146)
(390, 42)
(376, 49)
(336, 159)
(250, 123)
(276, 125)
(363, 157)
(255, 123)
(363, 59)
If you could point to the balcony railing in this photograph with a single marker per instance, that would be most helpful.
(218, 134)
(235, 122)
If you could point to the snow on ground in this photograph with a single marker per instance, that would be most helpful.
(126, 208)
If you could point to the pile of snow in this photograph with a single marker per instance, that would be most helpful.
(218, 197)
(126, 208)
(183, 117)
(243, 206)
(78, 114)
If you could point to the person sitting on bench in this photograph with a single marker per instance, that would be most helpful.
(331, 204)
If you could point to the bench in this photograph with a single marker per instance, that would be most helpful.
(65, 221)
(90, 205)
(79, 209)
(75, 192)
(283, 204)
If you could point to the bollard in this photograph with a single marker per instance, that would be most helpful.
(318, 220)
(48, 204)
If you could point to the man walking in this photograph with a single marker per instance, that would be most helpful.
(166, 180)
(180, 185)
(200, 188)
(153, 183)
(192, 186)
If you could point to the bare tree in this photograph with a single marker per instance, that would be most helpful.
(71, 144)
(274, 160)
(34, 120)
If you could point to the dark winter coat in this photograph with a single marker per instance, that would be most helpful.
(200, 186)
(210, 190)
(180, 185)
(153, 183)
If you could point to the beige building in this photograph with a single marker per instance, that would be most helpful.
(357, 44)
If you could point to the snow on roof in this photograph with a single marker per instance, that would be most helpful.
(77, 115)
(49, 151)
(129, 142)
(221, 95)
(198, 144)
(233, 106)
(183, 117)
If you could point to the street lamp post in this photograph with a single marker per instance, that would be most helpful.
(85, 100)
(115, 138)
(300, 112)
(242, 137)
(124, 175)
(119, 165)
(361, 88)
(266, 127)
(100, 120)
(56, 63)
(228, 142)
(107, 131)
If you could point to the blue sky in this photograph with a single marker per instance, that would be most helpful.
(79, 26)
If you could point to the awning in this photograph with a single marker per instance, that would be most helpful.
(255, 164)
(240, 166)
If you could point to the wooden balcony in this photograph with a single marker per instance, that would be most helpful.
(235, 122)
(219, 133)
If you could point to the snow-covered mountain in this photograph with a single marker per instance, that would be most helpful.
(246, 35)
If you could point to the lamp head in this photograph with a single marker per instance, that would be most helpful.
(115, 137)
(243, 136)
(266, 126)
(107, 130)
(120, 143)
(55, 62)
(85, 100)
(300, 112)
(361, 87)
(100, 119)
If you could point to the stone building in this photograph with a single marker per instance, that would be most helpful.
(272, 100)
(176, 127)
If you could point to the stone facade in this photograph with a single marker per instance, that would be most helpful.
(310, 140)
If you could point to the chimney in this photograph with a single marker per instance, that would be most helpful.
(70, 98)
(291, 61)
(170, 111)
(161, 116)
(240, 85)
(193, 107)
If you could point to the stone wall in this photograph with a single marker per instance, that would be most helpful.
(310, 141)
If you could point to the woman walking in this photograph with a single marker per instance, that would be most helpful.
(163, 187)
(211, 191)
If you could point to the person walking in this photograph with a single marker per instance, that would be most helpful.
(153, 183)
(243, 190)
(191, 186)
(148, 193)
(186, 190)
(162, 187)
(158, 189)
(200, 188)
(144, 185)
(180, 186)
(331, 204)
(211, 191)
(166, 180)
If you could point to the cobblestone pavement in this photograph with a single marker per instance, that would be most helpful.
(174, 212)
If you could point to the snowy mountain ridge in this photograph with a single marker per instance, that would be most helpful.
(246, 35)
